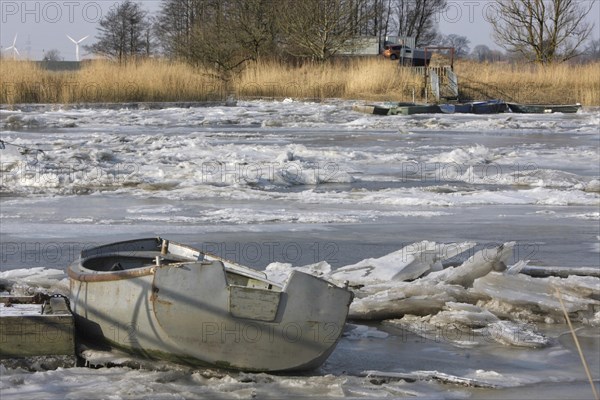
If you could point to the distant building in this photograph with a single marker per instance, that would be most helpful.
(363, 46)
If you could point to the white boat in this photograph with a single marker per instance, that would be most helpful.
(164, 300)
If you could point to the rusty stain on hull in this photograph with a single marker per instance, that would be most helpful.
(109, 276)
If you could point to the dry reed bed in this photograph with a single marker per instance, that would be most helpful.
(367, 79)
(370, 79)
(528, 83)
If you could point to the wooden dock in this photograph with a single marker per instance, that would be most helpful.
(30, 329)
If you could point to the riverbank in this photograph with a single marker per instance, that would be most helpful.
(374, 79)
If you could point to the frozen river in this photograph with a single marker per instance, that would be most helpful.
(287, 184)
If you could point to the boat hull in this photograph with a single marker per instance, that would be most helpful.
(416, 109)
(489, 107)
(197, 313)
(544, 108)
(477, 107)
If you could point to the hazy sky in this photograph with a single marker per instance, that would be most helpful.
(43, 25)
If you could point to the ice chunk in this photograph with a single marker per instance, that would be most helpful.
(478, 265)
(419, 297)
(516, 268)
(280, 272)
(319, 269)
(466, 325)
(408, 263)
(447, 297)
(514, 334)
(423, 296)
(593, 186)
(423, 327)
(362, 332)
(381, 377)
(473, 155)
(27, 281)
(509, 294)
(467, 315)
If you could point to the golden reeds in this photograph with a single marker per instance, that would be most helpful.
(530, 83)
(103, 81)
(371, 78)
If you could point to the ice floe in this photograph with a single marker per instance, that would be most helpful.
(484, 297)
(405, 264)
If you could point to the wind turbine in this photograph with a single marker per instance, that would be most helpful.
(14, 48)
(77, 45)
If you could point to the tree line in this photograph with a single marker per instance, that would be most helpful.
(227, 33)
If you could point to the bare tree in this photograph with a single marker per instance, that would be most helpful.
(52, 55)
(374, 17)
(417, 18)
(543, 31)
(459, 42)
(215, 41)
(176, 23)
(481, 53)
(592, 50)
(382, 18)
(220, 34)
(255, 25)
(124, 33)
(320, 29)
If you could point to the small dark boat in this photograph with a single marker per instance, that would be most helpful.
(372, 109)
(466, 108)
(415, 109)
(475, 107)
(543, 108)
(489, 107)
(478, 107)
(401, 108)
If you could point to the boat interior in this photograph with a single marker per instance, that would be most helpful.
(235, 275)
(117, 262)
